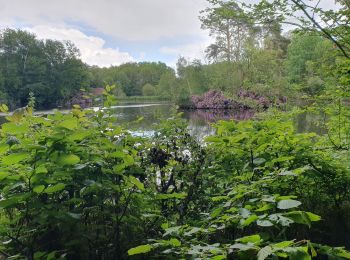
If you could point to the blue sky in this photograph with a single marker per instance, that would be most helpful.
(111, 32)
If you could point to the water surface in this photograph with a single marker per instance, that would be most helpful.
(141, 118)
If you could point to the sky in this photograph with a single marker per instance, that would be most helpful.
(112, 32)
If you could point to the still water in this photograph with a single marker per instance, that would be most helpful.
(199, 121)
(141, 118)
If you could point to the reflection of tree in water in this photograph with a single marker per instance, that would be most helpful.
(213, 115)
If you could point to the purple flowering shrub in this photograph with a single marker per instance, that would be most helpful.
(215, 99)
(262, 101)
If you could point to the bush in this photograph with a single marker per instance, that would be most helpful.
(148, 90)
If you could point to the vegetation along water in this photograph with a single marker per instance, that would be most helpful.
(246, 156)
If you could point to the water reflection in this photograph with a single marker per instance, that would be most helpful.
(141, 118)
(199, 121)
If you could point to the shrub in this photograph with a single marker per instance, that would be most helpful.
(148, 90)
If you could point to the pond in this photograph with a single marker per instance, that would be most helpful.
(199, 121)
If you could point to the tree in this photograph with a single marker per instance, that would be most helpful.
(50, 69)
(167, 85)
(307, 16)
(148, 90)
(227, 23)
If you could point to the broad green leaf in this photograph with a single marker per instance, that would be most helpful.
(3, 175)
(5, 203)
(78, 135)
(68, 159)
(15, 158)
(136, 182)
(41, 169)
(264, 252)
(39, 188)
(171, 196)
(299, 254)
(302, 217)
(216, 212)
(4, 108)
(172, 230)
(283, 244)
(175, 242)
(140, 250)
(313, 217)
(264, 208)
(14, 129)
(243, 247)
(251, 239)
(264, 223)
(4, 148)
(71, 123)
(249, 220)
(342, 253)
(55, 188)
(288, 204)
(259, 161)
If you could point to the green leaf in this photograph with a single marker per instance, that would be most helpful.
(243, 247)
(172, 230)
(342, 253)
(313, 217)
(264, 208)
(14, 129)
(251, 239)
(259, 161)
(288, 204)
(264, 223)
(3, 175)
(299, 254)
(171, 196)
(68, 159)
(192, 231)
(283, 244)
(264, 252)
(4, 148)
(250, 220)
(140, 250)
(71, 123)
(39, 189)
(55, 188)
(175, 242)
(15, 158)
(5, 203)
(136, 182)
(302, 217)
(4, 108)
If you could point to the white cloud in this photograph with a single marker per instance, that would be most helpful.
(191, 51)
(92, 49)
(133, 20)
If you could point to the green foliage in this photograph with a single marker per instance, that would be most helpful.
(68, 186)
(78, 185)
(50, 70)
(130, 77)
(148, 90)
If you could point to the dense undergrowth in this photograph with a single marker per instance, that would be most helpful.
(79, 186)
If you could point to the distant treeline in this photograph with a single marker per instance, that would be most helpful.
(269, 64)
(50, 69)
(54, 73)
